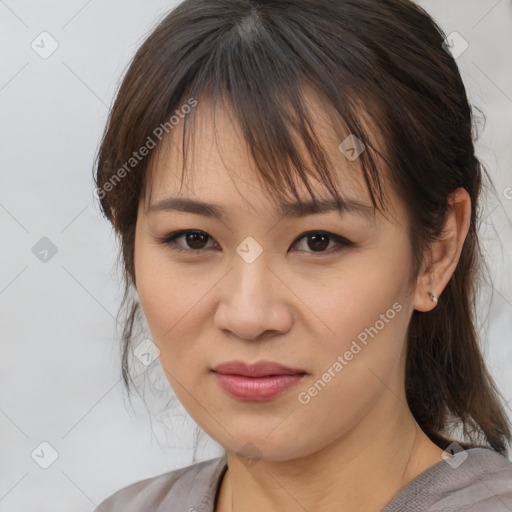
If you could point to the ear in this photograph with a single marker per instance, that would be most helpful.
(445, 251)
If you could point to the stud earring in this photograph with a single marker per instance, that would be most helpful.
(433, 298)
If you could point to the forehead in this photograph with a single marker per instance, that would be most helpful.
(218, 164)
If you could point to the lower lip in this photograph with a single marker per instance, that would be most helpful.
(257, 388)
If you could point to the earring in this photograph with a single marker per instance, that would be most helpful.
(433, 298)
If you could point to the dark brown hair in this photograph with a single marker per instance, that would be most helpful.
(381, 59)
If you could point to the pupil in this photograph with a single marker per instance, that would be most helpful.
(192, 238)
(316, 238)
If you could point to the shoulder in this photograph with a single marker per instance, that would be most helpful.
(481, 483)
(474, 480)
(189, 488)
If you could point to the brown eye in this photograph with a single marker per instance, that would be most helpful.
(318, 242)
(194, 241)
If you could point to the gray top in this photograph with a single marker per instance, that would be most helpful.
(475, 480)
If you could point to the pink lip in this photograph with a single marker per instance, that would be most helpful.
(256, 382)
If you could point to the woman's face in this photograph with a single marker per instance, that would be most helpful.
(249, 287)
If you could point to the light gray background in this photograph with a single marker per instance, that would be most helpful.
(59, 357)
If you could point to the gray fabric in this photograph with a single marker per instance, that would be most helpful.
(480, 482)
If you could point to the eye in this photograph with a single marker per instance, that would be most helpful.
(196, 241)
(318, 241)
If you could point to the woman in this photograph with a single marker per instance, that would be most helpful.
(296, 193)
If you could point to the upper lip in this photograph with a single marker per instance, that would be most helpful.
(259, 369)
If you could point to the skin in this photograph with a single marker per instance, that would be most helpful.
(355, 444)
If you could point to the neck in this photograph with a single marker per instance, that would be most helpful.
(362, 470)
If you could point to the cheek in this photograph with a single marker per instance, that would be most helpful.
(158, 291)
(366, 334)
(162, 291)
(357, 364)
(352, 299)
(363, 317)
(171, 301)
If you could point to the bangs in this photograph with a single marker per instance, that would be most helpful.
(258, 75)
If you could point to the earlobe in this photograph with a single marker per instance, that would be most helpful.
(445, 252)
(426, 296)
(433, 298)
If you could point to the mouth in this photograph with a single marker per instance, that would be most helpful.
(256, 382)
(259, 369)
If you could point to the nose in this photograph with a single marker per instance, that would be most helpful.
(254, 300)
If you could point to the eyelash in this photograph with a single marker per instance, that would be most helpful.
(170, 241)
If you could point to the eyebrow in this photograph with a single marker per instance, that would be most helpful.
(297, 210)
